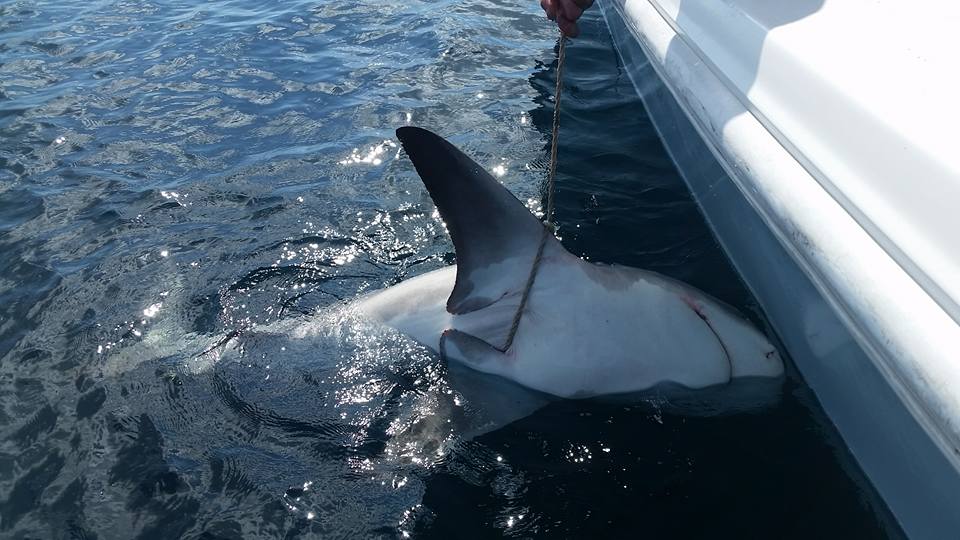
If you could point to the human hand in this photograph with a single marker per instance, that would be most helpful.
(566, 13)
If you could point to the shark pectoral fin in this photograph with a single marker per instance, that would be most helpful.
(471, 350)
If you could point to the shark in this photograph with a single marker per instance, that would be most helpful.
(593, 331)
(585, 330)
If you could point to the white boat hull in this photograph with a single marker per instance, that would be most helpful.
(880, 354)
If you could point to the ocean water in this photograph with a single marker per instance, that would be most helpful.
(188, 194)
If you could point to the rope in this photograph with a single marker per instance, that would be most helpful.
(549, 226)
(526, 291)
(555, 136)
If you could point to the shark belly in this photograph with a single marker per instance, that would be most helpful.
(593, 340)
(415, 307)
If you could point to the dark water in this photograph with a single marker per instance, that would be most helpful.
(173, 175)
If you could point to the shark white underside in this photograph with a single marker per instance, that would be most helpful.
(587, 330)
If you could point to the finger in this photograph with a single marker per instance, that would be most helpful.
(549, 8)
(568, 27)
(570, 10)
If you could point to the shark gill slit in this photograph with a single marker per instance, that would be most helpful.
(726, 353)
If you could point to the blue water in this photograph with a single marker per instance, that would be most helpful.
(174, 176)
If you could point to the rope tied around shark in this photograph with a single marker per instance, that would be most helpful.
(549, 227)
(638, 329)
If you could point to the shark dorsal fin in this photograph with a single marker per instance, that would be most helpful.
(487, 223)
